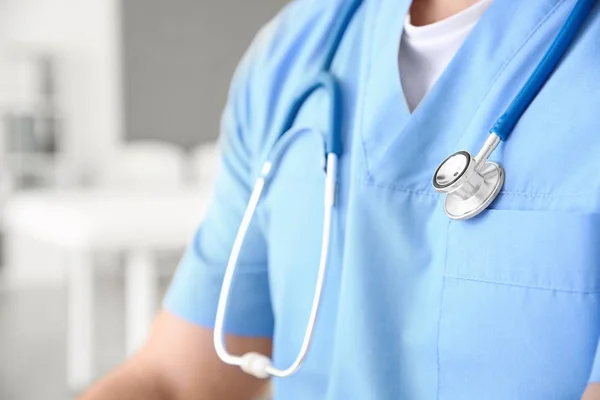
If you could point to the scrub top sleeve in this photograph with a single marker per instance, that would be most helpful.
(194, 291)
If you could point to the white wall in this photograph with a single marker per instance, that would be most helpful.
(85, 35)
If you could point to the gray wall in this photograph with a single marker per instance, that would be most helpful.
(178, 57)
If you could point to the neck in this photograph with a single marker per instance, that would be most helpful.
(425, 12)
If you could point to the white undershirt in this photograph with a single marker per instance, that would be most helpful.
(425, 51)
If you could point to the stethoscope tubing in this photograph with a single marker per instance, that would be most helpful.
(248, 362)
(254, 363)
(569, 30)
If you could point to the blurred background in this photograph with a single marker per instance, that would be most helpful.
(109, 113)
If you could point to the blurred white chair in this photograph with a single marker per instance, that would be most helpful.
(145, 165)
(205, 164)
(140, 206)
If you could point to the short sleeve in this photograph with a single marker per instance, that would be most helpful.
(194, 291)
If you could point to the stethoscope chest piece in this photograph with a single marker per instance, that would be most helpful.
(470, 186)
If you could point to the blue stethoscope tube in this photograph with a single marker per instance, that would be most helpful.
(260, 365)
(327, 82)
(507, 121)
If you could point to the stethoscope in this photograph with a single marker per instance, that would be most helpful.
(470, 183)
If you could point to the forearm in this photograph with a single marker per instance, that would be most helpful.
(132, 381)
(592, 392)
(179, 363)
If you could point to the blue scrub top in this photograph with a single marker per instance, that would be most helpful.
(415, 306)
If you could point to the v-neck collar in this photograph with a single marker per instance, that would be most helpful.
(396, 142)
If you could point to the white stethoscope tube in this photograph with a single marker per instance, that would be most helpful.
(253, 363)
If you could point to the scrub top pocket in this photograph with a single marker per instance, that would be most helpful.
(520, 311)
